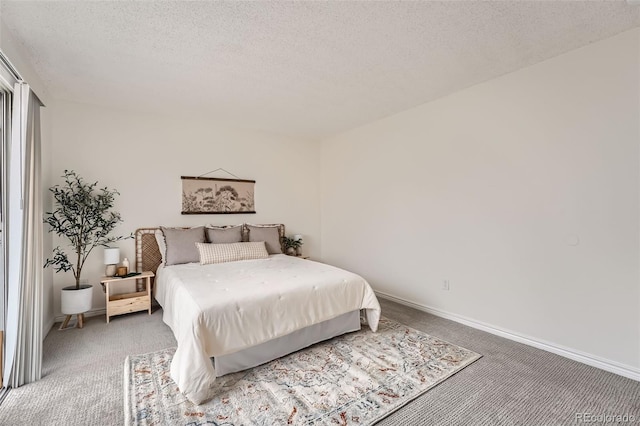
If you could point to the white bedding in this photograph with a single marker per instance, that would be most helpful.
(223, 308)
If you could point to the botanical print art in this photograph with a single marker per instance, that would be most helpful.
(217, 196)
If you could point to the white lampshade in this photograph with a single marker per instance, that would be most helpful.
(111, 256)
(297, 237)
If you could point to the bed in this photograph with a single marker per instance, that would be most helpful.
(231, 316)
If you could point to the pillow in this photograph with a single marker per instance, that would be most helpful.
(269, 234)
(181, 244)
(224, 234)
(162, 246)
(220, 253)
(249, 251)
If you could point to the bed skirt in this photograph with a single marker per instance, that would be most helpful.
(300, 339)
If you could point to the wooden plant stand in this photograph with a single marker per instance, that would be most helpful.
(65, 324)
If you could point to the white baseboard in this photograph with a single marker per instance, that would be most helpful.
(91, 313)
(47, 327)
(585, 358)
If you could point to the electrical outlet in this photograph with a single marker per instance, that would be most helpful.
(445, 285)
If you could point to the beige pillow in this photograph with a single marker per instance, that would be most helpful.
(224, 234)
(268, 234)
(221, 253)
(181, 244)
(249, 251)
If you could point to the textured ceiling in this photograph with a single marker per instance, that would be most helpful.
(306, 69)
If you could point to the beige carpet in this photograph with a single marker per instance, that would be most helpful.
(512, 384)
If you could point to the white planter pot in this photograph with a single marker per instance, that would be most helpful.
(76, 301)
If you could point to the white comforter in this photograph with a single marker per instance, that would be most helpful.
(223, 308)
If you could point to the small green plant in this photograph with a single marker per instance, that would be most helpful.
(291, 243)
(83, 215)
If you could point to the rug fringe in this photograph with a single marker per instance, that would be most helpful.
(127, 399)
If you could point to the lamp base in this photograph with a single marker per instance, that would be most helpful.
(110, 270)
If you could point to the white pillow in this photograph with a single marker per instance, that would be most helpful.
(162, 246)
(221, 253)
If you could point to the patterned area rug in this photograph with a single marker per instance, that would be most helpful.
(358, 378)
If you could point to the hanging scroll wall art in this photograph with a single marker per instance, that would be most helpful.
(201, 195)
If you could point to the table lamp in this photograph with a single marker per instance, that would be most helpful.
(111, 259)
(298, 237)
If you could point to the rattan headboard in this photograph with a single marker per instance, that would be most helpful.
(148, 256)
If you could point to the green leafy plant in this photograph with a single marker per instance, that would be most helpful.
(83, 215)
(291, 243)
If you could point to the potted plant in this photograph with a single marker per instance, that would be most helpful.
(291, 245)
(82, 215)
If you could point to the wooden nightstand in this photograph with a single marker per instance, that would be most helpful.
(129, 302)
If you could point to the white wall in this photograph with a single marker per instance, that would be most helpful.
(143, 157)
(12, 49)
(522, 191)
